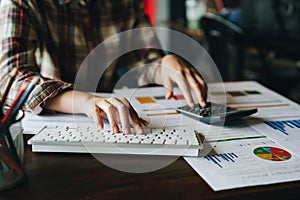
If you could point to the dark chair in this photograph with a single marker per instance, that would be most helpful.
(228, 45)
(220, 33)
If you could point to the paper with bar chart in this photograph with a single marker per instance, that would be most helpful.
(242, 163)
(250, 94)
(285, 131)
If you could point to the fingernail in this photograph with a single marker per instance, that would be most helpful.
(140, 130)
(168, 96)
(116, 130)
(126, 130)
(192, 105)
(101, 126)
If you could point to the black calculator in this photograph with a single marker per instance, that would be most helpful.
(215, 113)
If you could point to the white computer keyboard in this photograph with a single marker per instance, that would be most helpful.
(90, 139)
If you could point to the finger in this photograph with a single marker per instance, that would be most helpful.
(178, 77)
(203, 88)
(98, 117)
(132, 113)
(167, 83)
(201, 81)
(195, 83)
(108, 108)
(123, 113)
(180, 80)
(137, 122)
(137, 126)
(95, 114)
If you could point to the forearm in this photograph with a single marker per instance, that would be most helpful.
(70, 101)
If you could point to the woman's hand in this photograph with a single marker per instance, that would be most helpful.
(116, 110)
(174, 70)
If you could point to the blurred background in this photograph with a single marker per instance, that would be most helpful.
(247, 39)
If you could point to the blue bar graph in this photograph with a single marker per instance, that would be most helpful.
(219, 159)
(281, 125)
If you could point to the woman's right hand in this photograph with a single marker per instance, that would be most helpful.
(118, 111)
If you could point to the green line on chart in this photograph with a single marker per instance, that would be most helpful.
(243, 138)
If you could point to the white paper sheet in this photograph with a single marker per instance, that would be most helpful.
(32, 123)
(235, 163)
(243, 163)
(151, 105)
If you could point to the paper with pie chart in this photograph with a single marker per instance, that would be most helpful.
(243, 163)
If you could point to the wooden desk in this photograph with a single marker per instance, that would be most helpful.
(81, 176)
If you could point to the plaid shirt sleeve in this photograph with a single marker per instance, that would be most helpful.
(19, 42)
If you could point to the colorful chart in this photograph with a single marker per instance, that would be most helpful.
(144, 100)
(272, 153)
(148, 99)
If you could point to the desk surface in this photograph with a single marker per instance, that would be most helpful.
(81, 176)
